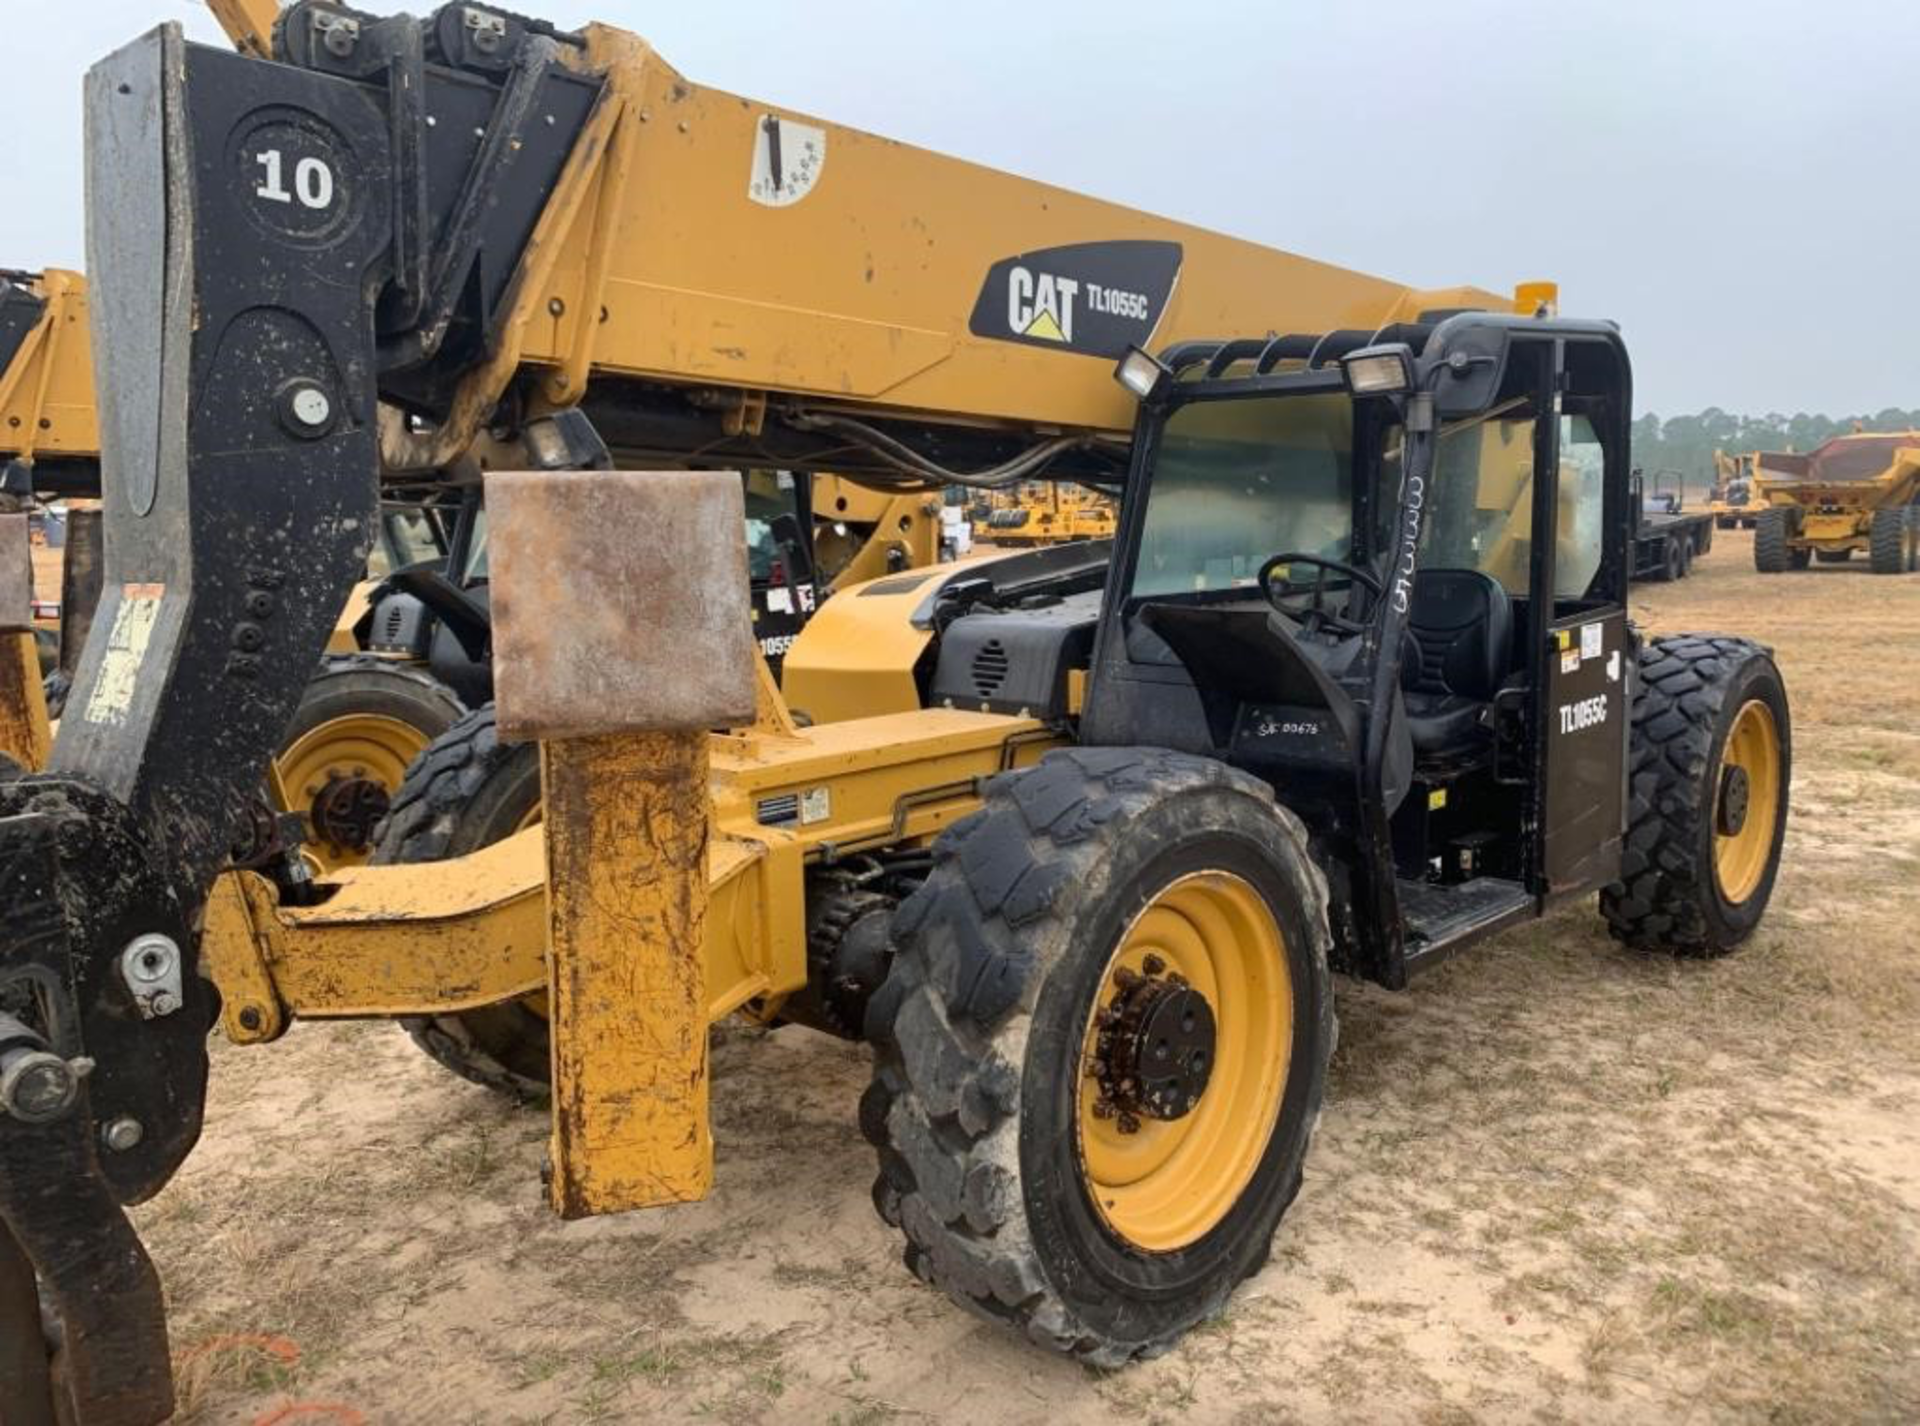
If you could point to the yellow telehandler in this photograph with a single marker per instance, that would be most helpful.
(1116, 812)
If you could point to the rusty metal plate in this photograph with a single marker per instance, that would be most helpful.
(16, 575)
(620, 602)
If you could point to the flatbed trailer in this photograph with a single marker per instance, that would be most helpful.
(1667, 540)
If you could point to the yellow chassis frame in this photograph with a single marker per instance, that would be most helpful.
(390, 941)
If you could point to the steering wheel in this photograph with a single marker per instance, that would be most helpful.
(1316, 616)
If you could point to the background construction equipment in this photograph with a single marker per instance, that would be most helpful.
(1850, 494)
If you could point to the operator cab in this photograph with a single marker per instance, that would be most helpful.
(433, 603)
(1358, 586)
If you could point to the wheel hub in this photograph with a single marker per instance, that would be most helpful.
(347, 809)
(1736, 792)
(1154, 1051)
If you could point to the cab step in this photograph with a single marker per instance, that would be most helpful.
(1442, 919)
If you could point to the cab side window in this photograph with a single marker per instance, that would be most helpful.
(1579, 541)
(1481, 511)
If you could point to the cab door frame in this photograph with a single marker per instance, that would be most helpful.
(1581, 662)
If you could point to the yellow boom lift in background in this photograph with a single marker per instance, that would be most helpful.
(1073, 837)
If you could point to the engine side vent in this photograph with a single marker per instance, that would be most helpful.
(989, 668)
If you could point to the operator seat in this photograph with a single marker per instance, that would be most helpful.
(1461, 622)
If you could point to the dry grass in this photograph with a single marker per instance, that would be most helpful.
(1555, 1181)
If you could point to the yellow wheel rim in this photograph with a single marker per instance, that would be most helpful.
(1162, 1184)
(362, 746)
(1746, 803)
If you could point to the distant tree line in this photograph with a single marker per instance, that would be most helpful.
(1687, 443)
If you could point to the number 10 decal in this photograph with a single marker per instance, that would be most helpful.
(312, 180)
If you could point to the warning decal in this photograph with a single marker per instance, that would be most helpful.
(133, 621)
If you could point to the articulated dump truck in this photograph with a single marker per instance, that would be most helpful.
(1858, 493)
(1074, 838)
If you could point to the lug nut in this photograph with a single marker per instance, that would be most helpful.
(1152, 965)
(123, 1134)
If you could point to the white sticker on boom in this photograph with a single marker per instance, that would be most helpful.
(1591, 638)
(133, 621)
(787, 159)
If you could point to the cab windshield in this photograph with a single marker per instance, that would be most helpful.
(409, 535)
(769, 495)
(1236, 482)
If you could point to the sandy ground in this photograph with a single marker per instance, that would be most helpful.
(1555, 1180)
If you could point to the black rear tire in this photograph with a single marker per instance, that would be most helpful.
(978, 1035)
(469, 790)
(1771, 531)
(1692, 688)
(1888, 541)
(1670, 567)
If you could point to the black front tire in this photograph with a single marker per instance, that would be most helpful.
(346, 685)
(1889, 541)
(1691, 689)
(1771, 552)
(469, 790)
(977, 1035)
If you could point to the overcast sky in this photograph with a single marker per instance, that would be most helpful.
(1734, 181)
